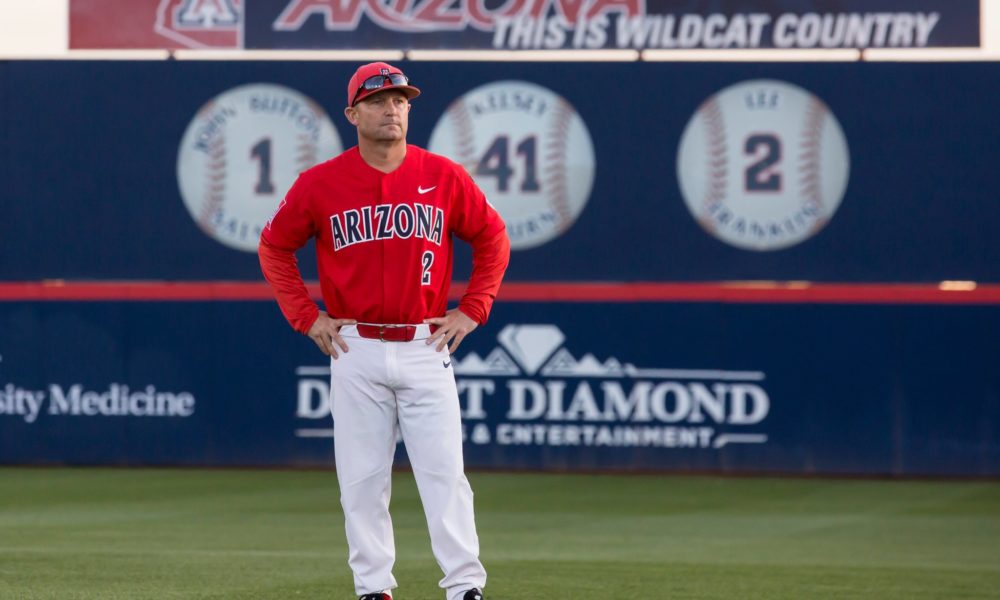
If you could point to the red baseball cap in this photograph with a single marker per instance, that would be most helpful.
(377, 77)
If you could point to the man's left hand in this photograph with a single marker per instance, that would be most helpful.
(452, 329)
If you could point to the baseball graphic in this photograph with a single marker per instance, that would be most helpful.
(763, 165)
(241, 153)
(528, 150)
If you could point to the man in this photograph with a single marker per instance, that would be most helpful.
(383, 214)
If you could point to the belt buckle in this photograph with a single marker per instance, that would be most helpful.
(381, 331)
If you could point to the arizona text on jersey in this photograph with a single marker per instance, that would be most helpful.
(403, 221)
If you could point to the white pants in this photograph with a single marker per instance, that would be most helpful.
(374, 387)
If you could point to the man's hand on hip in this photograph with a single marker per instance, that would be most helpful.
(326, 333)
(452, 329)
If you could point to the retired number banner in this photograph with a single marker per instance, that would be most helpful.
(523, 24)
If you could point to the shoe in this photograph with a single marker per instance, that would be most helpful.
(473, 594)
(378, 596)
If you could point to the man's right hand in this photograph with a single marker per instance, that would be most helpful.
(326, 333)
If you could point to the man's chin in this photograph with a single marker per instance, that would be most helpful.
(389, 136)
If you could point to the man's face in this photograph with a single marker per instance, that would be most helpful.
(381, 117)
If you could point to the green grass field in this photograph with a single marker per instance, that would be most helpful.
(137, 534)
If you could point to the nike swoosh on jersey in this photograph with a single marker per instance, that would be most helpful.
(446, 364)
(421, 190)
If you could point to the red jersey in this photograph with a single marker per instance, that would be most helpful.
(384, 240)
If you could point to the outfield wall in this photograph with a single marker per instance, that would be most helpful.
(688, 293)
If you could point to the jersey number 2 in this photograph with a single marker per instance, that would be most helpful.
(427, 259)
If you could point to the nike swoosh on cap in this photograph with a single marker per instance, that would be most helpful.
(421, 190)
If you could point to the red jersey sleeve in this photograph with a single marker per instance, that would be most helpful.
(475, 221)
(287, 231)
(292, 225)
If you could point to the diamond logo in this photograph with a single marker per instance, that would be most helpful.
(531, 345)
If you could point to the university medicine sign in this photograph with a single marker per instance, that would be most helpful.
(525, 24)
(74, 400)
(535, 389)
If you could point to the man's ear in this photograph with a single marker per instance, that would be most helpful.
(351, 113)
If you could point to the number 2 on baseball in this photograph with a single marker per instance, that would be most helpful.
(760, 177)
(763, 165)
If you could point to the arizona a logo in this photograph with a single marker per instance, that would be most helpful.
(201, 23)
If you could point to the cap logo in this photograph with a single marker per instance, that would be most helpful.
(385, 71)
